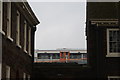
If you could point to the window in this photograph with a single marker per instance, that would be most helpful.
(113, 77)
(24, 76)
(71, 56)
(39, 56)
(9, 21)
(29, 43)
(43, 56)
(55, 56)
(0, 70)
(84, 55)
(74, 56)
(25, 28)
(28, 77)
(62, 55)
(17, 75)
(0, 16)
(0, 36)
(7, 73)
(18, 30)
(113, 42)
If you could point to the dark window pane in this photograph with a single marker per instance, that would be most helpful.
(119, 47)
(110, 36)
(118, 36)
(114, 35)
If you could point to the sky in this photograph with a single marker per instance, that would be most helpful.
(62, 25)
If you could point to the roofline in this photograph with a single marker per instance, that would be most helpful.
(60, 50)
(26, 10)
(31, 13)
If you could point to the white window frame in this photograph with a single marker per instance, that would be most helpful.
(25, 35)
(0, 70)
(29, 42)
(108, 53)
(28, 77)
(1, 19)
(18, 30)
(1, 8)
(9, 20)
(115, 77)
(7, 73)
(24, 76)
(1, 3)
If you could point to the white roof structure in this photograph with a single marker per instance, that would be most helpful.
(61, 50)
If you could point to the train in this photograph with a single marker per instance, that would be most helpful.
(61, 56)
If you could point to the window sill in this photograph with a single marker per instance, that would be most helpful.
(30, 55)
(19, 46)
(2, 32)
(25, 51)
(113, 55)
(10, 38)
(113, 76)
(7, 36)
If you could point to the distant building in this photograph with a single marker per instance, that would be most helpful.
(61, 55)
(17, 28)
(103, 39)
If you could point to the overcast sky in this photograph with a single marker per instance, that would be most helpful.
(62, 25)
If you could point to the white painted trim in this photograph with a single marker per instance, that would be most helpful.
(10, 38)
(3, 32)
(82, 56)
(25, 29)
(104, 21)
(19, 46)
(107, 42)
(108, 53)
(28, 77)
(7, 73)
(18, 30)
(9, 19)
(24, 76)
(58, 51)
(25, 51)
(113, 55)
(118, 77)
(1, 16)
(0, 71)
(0, 40)
(29, 40)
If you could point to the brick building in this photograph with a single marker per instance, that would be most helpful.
(17, 28)
(103, 39)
